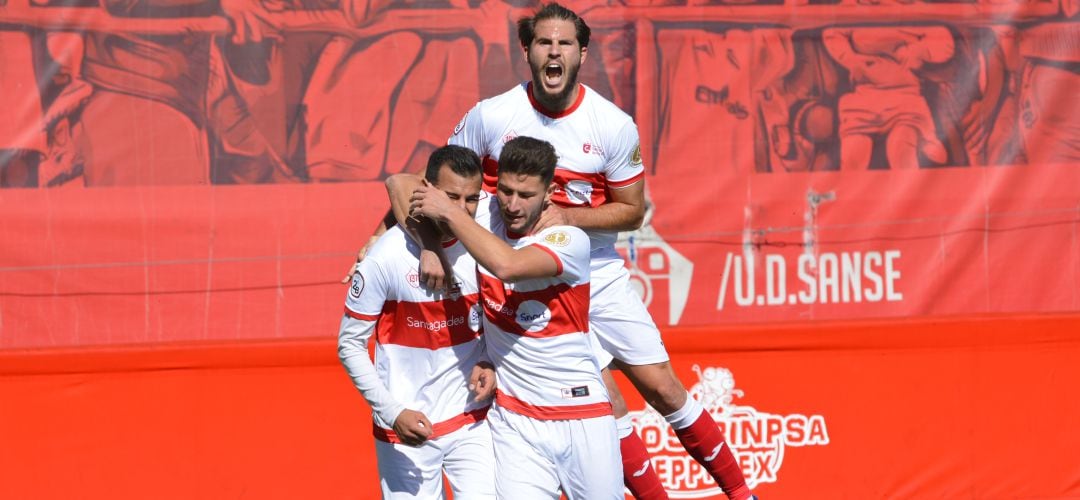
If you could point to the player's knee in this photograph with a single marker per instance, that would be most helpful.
(660, 387)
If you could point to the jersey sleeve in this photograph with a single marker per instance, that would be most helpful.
(570, 247)
(624, 166)
(363, 305)
(469, 132)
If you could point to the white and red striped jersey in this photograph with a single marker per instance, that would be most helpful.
(597, 144)
(536, 331)
(426, 343)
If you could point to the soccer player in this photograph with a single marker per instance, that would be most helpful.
(600, 189)
(551, 423)
(428, 351)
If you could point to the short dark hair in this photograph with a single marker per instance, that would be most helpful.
(527, 25)
(461, 160)
(529, 156)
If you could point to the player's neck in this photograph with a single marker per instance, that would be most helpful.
(556, 104)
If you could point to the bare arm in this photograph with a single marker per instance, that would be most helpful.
(505, 262)
(625, 211)
(434, 267)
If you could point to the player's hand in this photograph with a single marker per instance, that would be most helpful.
(433, 272)
(482, 381)
(553, 215)
(430, 202)
(359, 257)
(412, 427)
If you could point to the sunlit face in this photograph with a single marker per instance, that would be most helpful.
(463, 191)
(554, 57)
(521, 200)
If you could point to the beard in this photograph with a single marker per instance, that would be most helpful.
(554, 101)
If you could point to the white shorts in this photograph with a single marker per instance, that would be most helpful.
(620, 321)
(465, 455)
(535, 459)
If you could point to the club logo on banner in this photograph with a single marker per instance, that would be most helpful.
(758, 439)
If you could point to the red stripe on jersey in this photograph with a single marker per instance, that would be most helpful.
(362, 317)
(553, 114)
(569, 412)
(427, 325)
(438, 429)
(567, 307)
(627, 182)
(558, 261)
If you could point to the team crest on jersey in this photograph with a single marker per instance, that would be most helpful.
(509, 136)
(558, 238)
(357, 286)
(460, 125)
(759, 440)
(413, 278)
(635, 155)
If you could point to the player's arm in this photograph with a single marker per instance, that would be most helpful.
(354, 334)
(498, 257)
(434, 266)
(624, 211)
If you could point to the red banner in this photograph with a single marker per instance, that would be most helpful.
(805, 161)
(958, 408)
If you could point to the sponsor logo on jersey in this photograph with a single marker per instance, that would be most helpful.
(413, 278)
(509, 136)
(557, 238)
(578, 192)
(435, 325)
(475, 313)
(635, 155)
(759, 440)
(533, 316)
(357, 286)
(461, 124)
(589, 148)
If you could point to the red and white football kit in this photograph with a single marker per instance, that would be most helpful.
(552, 423)
(598, 150)
(426, 345)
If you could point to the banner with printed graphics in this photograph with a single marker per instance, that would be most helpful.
(166, 177)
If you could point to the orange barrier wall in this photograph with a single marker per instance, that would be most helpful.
(971, 407)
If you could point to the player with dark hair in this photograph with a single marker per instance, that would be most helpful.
(551, 423)
(428, 354)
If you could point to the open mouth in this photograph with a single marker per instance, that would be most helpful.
(553, 73)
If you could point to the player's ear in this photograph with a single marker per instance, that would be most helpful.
(550, 191)
(584, 52)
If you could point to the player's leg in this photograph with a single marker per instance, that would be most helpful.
(639, 475)
(408, 472)
(468, 460)
(625, 329)
(521, 470)
(588, 463)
